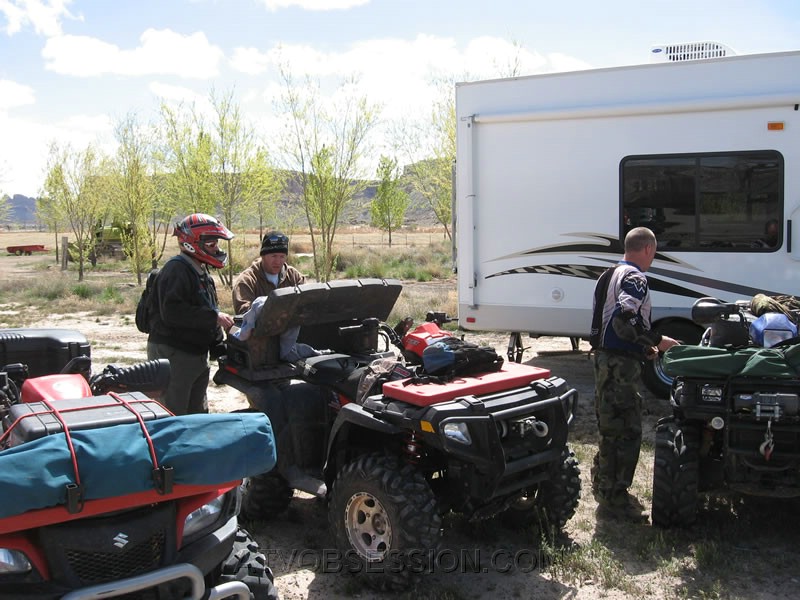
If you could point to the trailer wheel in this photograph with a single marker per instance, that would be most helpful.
(675, 475)
(553, 502)
(385, 520)
(246, 563)
(653, 375)
(265, 496)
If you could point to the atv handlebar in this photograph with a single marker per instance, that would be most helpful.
(150, 377)
(706, 311)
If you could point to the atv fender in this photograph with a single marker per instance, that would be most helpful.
(354, 416)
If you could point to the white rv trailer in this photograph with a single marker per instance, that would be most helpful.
(552, 170)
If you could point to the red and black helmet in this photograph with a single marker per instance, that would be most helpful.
(199, 235)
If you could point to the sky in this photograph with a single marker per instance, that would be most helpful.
(72, 69)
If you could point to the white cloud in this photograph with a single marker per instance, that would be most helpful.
(28, 152)
(14, 94)
(317, 5)
(175, 95)
(43, 15)
(250, 61)
(401, 74)
(161, 52)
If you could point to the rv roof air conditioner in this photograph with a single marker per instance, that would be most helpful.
(689, 51)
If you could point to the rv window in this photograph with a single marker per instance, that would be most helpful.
(730, 201)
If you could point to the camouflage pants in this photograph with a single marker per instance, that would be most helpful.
(618, 407)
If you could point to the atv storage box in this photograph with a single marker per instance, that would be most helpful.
(45, 351)
(320, 309)
(30, 421)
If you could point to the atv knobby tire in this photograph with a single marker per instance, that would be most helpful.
(265, 496)
(675, 475)
(385, 521)
(246, 563)
(553, 502)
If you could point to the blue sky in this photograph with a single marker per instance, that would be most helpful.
(70, 69)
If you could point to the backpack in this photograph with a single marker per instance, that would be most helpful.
(143, 308)
(451, 357)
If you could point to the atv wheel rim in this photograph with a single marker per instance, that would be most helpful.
(368, 528)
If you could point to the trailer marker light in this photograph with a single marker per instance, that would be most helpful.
(775, 126)
(470, 319)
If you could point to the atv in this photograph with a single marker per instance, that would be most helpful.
(394, 447)
(106, 494)
(735, 423)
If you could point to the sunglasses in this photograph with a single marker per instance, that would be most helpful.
(276, 240)
(211, 244)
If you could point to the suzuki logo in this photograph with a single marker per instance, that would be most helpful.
(120, 540)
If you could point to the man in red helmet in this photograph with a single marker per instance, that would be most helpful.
(188, 322)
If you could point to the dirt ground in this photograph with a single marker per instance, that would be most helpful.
(742, 549)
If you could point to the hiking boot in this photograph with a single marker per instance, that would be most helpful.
(623, 507)
(299, 480)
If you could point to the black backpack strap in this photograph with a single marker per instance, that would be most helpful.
(600, 292)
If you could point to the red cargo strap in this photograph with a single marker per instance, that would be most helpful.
(162, 476)
(74, 490)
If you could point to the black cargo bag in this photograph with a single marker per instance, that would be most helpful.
(451, 357)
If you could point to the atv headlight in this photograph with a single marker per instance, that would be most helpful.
(711, 393)
(457, 431)
(203, 517)
(13, 561)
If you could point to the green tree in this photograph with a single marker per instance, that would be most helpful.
(78, 181)
(49, 212)
(434, 140)
(242, 179)
(185, 185)
(135, 191)
(326, 146)
(186, 161)
(429, 146)
(388, 208)
(5, 208)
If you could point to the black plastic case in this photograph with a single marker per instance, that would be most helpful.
(44, 351)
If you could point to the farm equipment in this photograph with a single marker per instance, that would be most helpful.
(395, 447)
(25, 249)
(735, 422)
(108, 241)
(108, 495)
